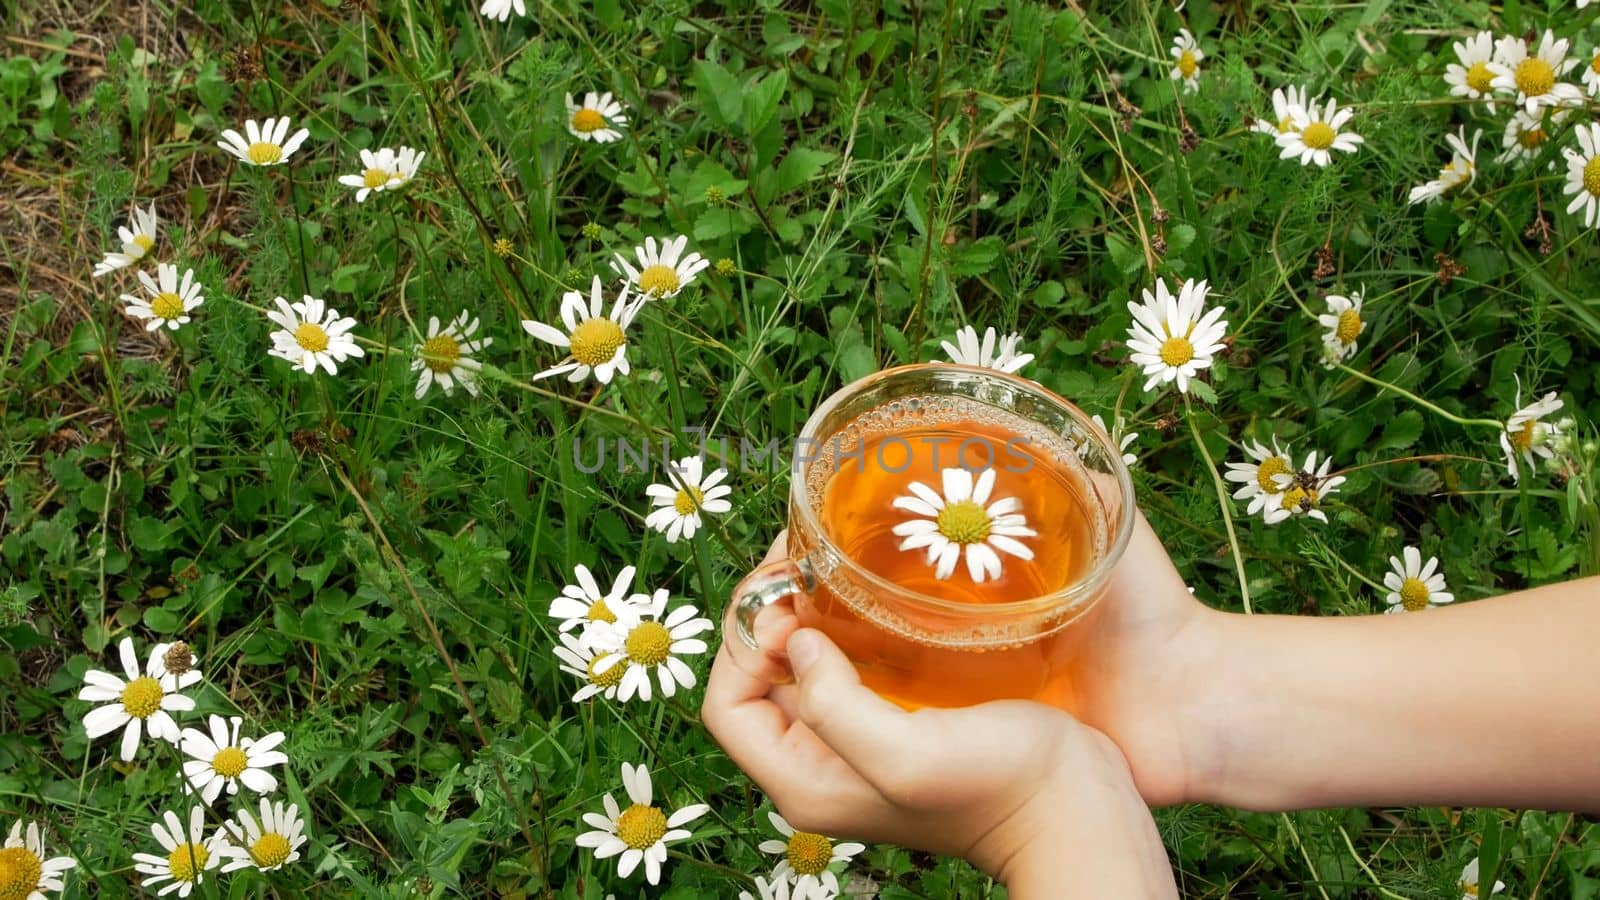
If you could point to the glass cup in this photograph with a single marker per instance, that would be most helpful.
(908, 638)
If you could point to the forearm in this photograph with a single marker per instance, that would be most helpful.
(1490, 703)
(1100, 842)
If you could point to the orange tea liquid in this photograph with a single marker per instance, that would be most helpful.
(894, 653)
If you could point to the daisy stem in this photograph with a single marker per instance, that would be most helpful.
(299, 232)
(1351, 569)
(1486, 423)
(1222, 498)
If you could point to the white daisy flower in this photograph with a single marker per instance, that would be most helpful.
(1583, 174)
(1535, 80)
(1316, 134)
(384, 170)
(595, 119)
(678, 504)
(1284, 102)
(1525, 134)
(639, 833)
(1526, 436)
(25, 872)
(189, 853)
(267, 841)
(1126, 438)
(1343, 321)
(407, 162)
(595, 341)
(777, 889)
(663, 271)
(643, 640)
(1591, 74)
(136, 241)
(963, 520)
(584, 604)
(139, 702)
(1413, 586)
(806, 858)
(445, 357)
(312, 334)
(1186, 55)
(169, 300)
(969, 351)
(1460, 171)
(221, 759)
(500, 10)
(1174, 338)
(1469, 872)
(265, 145)
(1472, 75)
(578, 657)
(1302, 491)
(1258, 478)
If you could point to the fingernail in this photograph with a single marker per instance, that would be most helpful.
(803, 650)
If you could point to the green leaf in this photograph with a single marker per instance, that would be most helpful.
(761, 100)
(1401, 431)
(162, 621)
(856, 361)
(722, 98)
(149, 535)
(800, 166)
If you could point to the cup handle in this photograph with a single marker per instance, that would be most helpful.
(764, 587)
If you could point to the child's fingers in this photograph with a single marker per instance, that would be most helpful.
(877, 738)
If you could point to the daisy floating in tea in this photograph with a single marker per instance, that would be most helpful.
(960, 521)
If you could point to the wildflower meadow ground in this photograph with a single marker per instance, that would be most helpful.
(392, 393)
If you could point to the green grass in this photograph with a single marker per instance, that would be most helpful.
(370, 573)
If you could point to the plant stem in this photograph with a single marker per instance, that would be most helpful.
(1485, 423)
(1227, 511)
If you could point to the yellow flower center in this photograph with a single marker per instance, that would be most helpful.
(595, 341)
(1318, 135)
(1413, 594)
(142, 697)
(1470, 890)
(269, 850)
(809, 854)
(229, 762)
(688, 500)
(1530, 138)
(1286, 124)
(1187, 64)
(375, 178)
(264, 154)
(144, 242)
(188, 861)
(1296, 500)
(600, 612)
(1523, 438)
(1591, 176)
(641, 826)
(659, 280)
(1349, 327)
(1534, 77)
(311, 337)
(19, 873)
(440, 353)
(648, 644)
(167, 305)
(1175, 351)
(1480, 78)
(609, 677)
(1270, 467)
(964, 522)
(587, 120)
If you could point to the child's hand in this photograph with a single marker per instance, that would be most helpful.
(1019, 789)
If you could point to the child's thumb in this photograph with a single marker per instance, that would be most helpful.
(863, 728)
